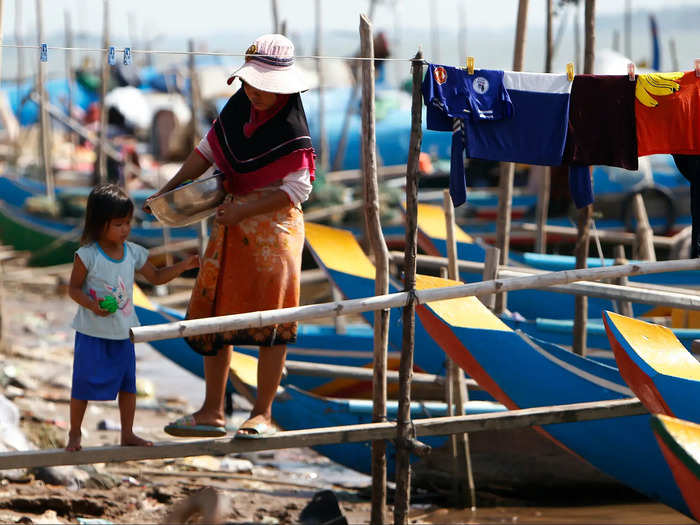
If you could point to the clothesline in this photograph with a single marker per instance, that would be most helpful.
(38, 47)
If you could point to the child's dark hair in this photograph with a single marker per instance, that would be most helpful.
(105, 202)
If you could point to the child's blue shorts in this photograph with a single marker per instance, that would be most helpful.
(102, 368)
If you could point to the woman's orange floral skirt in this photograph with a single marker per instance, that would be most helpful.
(251, 266)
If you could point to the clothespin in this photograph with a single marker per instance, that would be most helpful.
(470, 65)
(127, 56)
(111, 56)
(44, 53)
(697, 67)
(570, 71)
(630, 72)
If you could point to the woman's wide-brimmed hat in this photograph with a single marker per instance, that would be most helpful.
(269, 66)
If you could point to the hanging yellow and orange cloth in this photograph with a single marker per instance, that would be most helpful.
(667, 111)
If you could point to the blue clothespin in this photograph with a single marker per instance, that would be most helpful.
(127, 56)
(112, 56)
(44, 53)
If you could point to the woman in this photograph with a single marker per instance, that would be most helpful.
(261, 143)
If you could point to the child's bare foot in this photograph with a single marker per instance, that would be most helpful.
(132, 440)
(73, 442)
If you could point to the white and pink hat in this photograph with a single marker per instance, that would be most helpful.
(269, 66)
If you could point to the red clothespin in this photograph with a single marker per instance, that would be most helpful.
(570, 71)
(697, 67)
(470, 65)
(630, 72)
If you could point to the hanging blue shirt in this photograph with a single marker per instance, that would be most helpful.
(452, 96)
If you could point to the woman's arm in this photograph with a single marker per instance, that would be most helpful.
(163, 275)
(230, 214)
(192, 168)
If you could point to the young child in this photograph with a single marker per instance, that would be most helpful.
(102, 284)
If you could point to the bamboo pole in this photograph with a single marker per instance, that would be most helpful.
(70, 78)
(20, 63)
(586, 213)
(545, 176)
(615, 237)
(460, 444)
(195, 105)
(505, 187)
(104, 80)
(381, 260)
(490, 272)
(403, 435)
(190, 327)
(275, 16)
(623, 307)
(440, 426)
(320, 92)
(644, 232)
(637, 292)
(45, 138)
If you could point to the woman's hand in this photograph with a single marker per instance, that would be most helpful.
(191, 262)
(147, 203)
(228, 214)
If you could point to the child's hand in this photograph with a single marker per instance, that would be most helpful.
(98, 310)
(191, 262)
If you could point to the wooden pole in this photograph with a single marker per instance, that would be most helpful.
(463, 464)
(195, 108)
(439, 426)
(490, 273)
(323, 139)
(586, 213)
(404, 438)
(69, 76)
(544, 172)
(505, 187)
(381, 260)
(275, 16)
(223, 323)
(44, 137)
(645, 235)
(20, 56)
(101, 155)
(623, 307)
(628, 29)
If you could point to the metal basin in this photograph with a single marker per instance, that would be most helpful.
(191, 202)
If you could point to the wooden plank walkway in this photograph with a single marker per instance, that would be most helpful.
(329, 435)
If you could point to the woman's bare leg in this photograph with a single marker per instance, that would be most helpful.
(270, 367)
(216, 369)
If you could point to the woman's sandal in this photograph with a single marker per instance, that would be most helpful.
(187, 426)
(257, 431)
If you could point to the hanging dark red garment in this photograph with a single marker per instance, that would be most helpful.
(602, 124)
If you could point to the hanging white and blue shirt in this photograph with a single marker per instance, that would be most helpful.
(453, 96)
(536, 132)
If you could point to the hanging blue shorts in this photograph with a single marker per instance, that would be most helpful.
(102, 368)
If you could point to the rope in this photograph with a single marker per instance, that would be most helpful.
(37, 47)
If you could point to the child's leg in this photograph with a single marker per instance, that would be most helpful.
(77, 411)
(127, 408)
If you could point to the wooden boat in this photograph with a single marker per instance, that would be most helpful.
(54, 240)
(531, 304)
(522, 372)
(656, 365)
(295, 409)
(679, 442)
